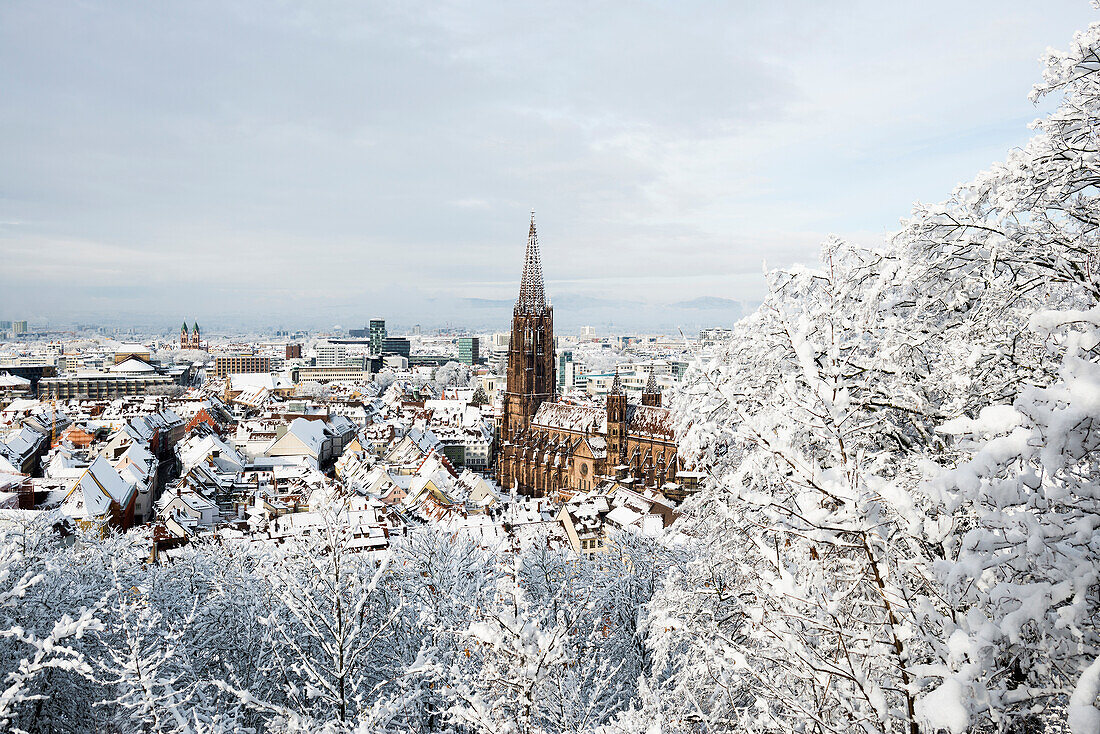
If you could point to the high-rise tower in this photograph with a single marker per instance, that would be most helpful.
(530, 353)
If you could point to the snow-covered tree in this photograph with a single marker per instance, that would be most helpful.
(516, 647)
(452, 375)
(326, 632)
(841, 593)
(37, 642)
(1022, 570)
(143, 666)
(184, 356)
(811, 591)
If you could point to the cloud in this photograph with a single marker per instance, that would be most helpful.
(296, 162)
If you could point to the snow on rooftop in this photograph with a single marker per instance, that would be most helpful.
(93, 493)
(562, 416)
(9, 380)
(310, 433)
(132, 365)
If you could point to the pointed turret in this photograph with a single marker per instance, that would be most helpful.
(532, 293)
(616, 384)
(184, 329)
(652, 394)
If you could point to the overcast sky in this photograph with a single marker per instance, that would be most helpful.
(307, 164)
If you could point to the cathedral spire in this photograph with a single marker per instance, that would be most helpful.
(616, 384)
(652, 394)
(532, 294)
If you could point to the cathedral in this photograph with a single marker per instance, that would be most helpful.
(551, 448)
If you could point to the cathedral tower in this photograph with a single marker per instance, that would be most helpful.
(652, 394)
(530, 354)
(616, 421)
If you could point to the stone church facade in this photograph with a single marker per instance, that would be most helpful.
(552, 448)
(192, 339)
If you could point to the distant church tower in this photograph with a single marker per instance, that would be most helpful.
(190, 340)
(652, 394)
(530, 354)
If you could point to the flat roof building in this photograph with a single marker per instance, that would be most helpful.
(236, 364)
(396, 345)
(101, 385)
(329, 374)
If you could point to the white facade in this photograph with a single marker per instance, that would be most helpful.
(331, 355)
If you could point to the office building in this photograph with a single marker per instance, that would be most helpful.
(358, 361)
(569, 371)
(395, 362)
(330, 374)
(377, 335)
(467, 350)
(101, 385)
(711, 337)
(395, 345)
(239, 364)
(331, 355)
(429, 360)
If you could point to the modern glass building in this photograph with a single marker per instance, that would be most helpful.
(378, 335)
(468, 350)
(393, 345)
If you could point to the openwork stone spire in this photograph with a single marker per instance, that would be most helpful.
(532, 294)
(616, 384)
(651, 383)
